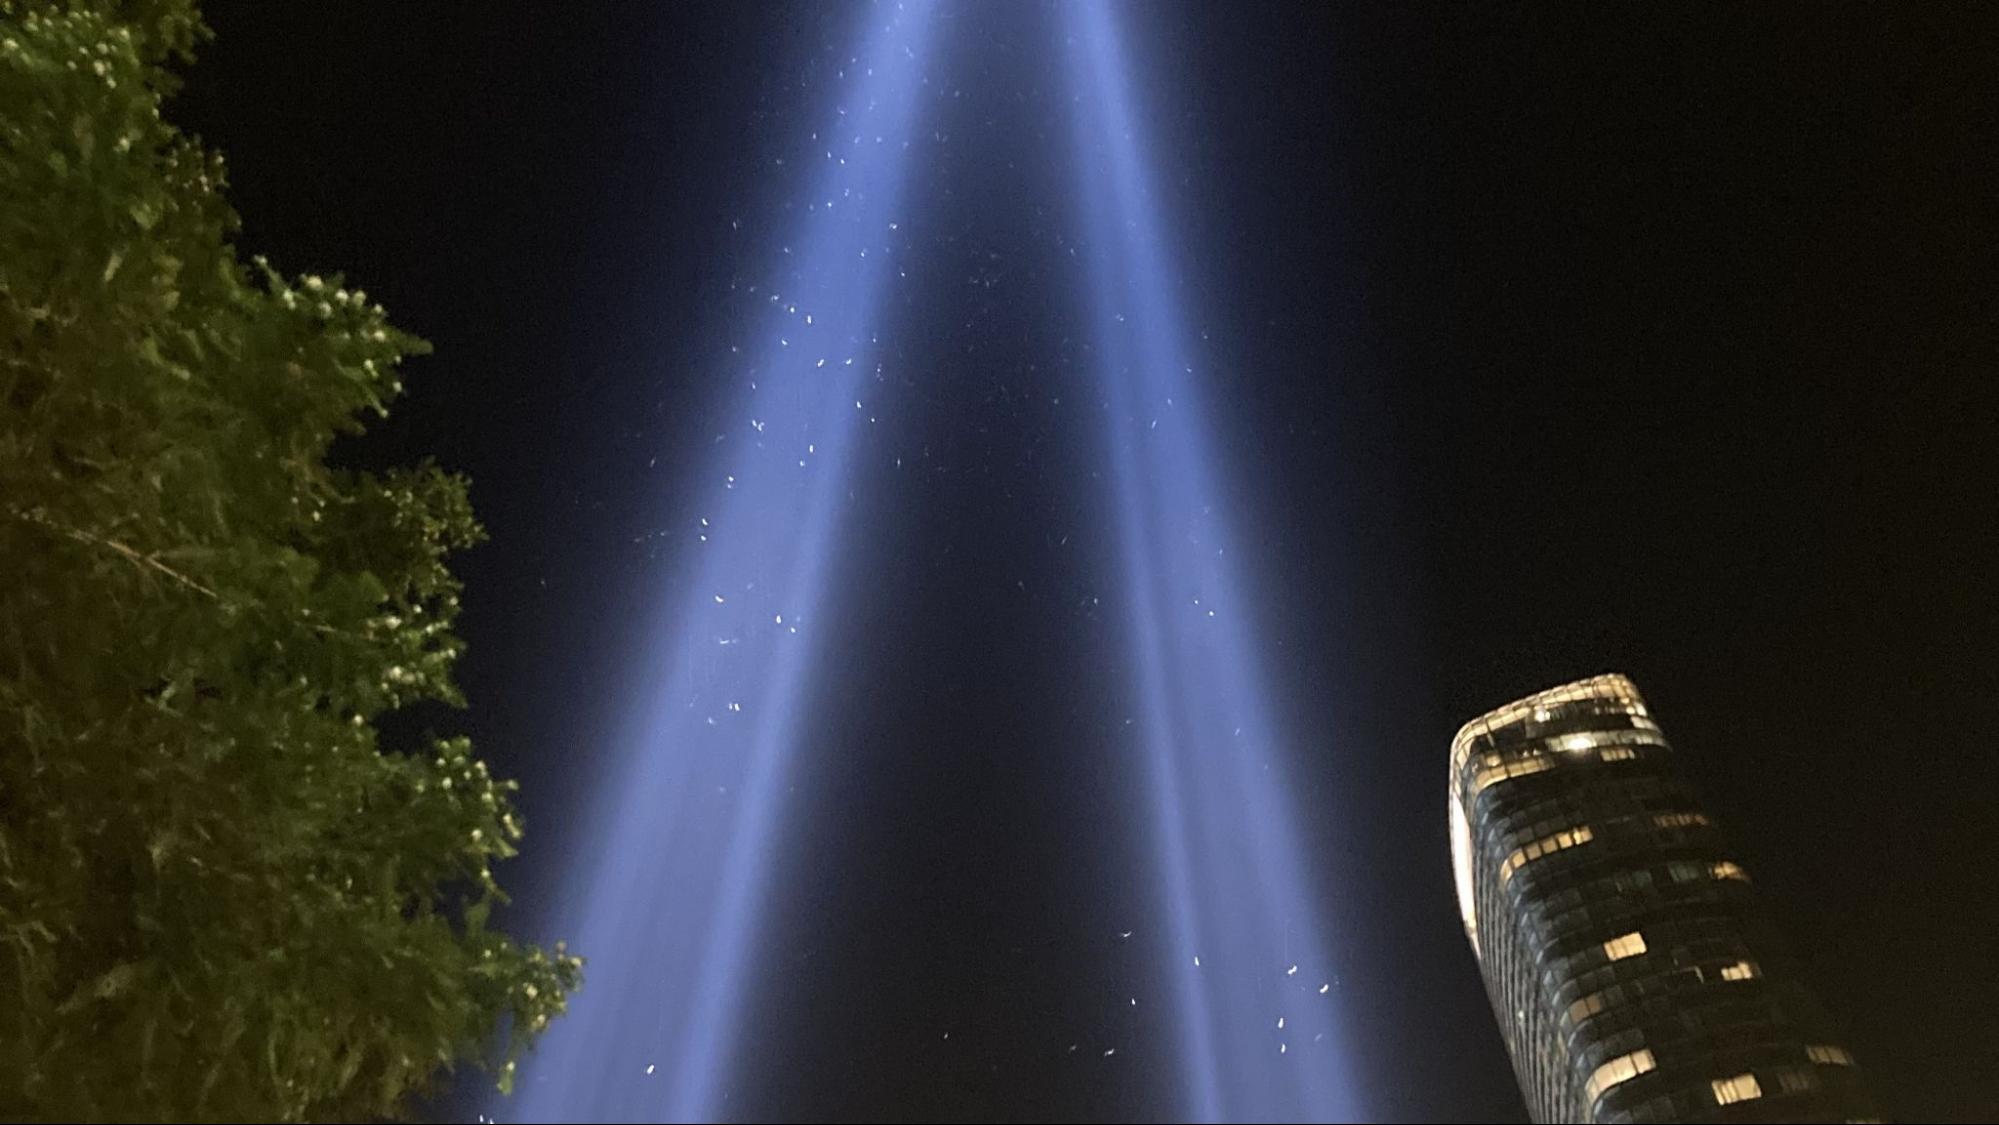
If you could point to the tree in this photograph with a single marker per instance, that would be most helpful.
(221, 895)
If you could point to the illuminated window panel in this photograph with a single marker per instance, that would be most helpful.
(1741, 970)
(1546, 845)
(1493, 774)
(1592, 739)
(1829, 1055)
(1681, 820)
(1619, 1070)
(1587, 1006)
(1629, 945)
(1741, 1088)
(1728, 869)
(1617, 754)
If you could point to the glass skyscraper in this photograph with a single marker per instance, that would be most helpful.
(1632, 974)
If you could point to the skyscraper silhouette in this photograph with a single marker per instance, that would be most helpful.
(1632, 974)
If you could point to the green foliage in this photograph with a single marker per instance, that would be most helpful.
(220, 896)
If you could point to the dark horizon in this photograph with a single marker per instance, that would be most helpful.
(1549, 343)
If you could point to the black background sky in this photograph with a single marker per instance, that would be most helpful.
(1549, 341)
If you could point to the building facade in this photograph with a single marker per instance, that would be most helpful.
(1631, 973)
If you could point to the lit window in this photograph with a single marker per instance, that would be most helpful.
(1587, 1007)
(1546, 845)
(1617, 754)
(1741, 1088)
(1680, 819)
(1630, 945)
(1828, 1054)
(1623, 1068)
(1641, 734)
(1728, 869)
(1499, 769)
(1741, 970)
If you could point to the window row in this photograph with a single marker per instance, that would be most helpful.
(1621, 1069)
(1613, 693)
(1498, 768)
(1683, 951)
(1687, 871)
(1628, 945)
(1618, 994)
(1746, 1087)
(1546, 845)
(1525, 814)
(1591, 739)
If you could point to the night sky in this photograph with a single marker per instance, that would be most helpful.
(1545, 341)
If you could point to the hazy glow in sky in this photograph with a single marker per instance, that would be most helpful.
(1247, 963)
(669, 906)
(670, 899)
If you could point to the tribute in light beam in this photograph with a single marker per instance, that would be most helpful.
(1260, 1038)
(677, 854)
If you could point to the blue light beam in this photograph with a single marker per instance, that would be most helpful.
(676, 861)
(1245, 955)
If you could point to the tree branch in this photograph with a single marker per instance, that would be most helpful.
(88, 538)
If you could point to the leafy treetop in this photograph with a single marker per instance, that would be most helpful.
(221, 895)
